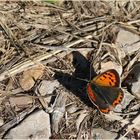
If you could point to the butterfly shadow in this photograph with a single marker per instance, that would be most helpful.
(74, 83)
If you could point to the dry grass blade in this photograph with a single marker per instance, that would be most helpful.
(131, 63)
(81, 126)
(58, 112)
(135, 122)
(129, 28)
(22, 66)
(9, 33)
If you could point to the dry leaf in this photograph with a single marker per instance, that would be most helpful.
(28, 78)
(20, 101)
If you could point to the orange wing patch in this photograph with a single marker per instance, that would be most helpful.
(90, 93)
(105, 110)
(118, 100)
(109, 78)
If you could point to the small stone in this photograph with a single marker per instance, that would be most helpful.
(99, 133)
(128, 40)
(47, 87)
(35, 124)
(111, 65)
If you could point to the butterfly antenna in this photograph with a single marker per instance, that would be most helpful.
(91, 64)
(82, 79)
(90, 72)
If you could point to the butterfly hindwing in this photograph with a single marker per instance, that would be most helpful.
(108, 78)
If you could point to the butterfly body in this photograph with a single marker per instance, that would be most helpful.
(104, 90)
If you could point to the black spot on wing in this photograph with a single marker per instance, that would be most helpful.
(112, 80)
(104, 76)
(110, 83)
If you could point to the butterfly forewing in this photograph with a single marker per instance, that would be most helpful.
(108, 78)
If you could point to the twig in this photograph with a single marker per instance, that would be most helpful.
(127, 69)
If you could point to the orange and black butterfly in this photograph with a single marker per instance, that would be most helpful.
(104, 90)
